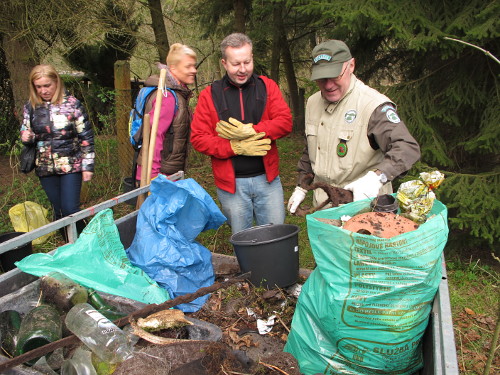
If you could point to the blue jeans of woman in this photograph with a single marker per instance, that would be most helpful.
(63, 192)
(254, 199)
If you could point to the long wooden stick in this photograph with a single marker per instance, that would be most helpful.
(156, 120)
(146, 131)
(147, 310)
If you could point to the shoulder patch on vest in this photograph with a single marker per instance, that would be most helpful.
(350, 116)
(392, 116)
(386, 107)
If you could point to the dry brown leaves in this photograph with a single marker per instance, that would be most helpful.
(473, 333)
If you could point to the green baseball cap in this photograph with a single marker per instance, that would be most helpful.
(328, 58)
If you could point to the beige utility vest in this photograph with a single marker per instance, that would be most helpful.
(328, 124)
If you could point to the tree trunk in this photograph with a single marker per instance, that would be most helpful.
(292, 82)
(239, 16)
(20, 59)
(158, 25)
(123, 106)
(276, 49)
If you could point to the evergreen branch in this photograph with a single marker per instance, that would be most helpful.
(488, 53)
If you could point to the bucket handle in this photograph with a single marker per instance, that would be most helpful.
(248, 242)
(255, 240)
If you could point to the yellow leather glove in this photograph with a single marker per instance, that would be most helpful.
(255, 145)
(234, 129)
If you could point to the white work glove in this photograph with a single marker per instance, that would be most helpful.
(365, 187)
(296, 199)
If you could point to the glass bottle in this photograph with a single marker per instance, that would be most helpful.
(104, 308)
(80, 363)
(10, 322)
(61, 291)
(40, 326)
(96, 331)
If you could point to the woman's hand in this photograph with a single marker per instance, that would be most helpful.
(87, 176)
(27, 136)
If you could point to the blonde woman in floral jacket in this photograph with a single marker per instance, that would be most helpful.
(59, 126)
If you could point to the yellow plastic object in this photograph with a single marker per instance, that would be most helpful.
(416, 197)
(28, 216)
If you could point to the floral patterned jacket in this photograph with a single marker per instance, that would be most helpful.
(63, 135)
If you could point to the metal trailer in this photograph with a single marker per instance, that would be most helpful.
(440, 357)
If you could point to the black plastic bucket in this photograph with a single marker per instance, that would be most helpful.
(129, 185)
(385, 203)
(8, 258)
(270, 252)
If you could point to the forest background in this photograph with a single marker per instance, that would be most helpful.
(436, 60)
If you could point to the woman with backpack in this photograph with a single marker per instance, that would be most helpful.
(58, 125)
(171, 145)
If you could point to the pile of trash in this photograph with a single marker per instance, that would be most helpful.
(390, 215)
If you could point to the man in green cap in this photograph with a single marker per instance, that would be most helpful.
(355, 138)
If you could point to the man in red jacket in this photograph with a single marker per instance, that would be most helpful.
(237, 121)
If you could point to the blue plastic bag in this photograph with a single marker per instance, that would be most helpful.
(164, 245)
(98, 260)
(365, 307)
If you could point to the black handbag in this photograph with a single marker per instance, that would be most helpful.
(28, 153)
(28, 156)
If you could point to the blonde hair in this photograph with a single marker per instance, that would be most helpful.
(177, 51)
(45, 70)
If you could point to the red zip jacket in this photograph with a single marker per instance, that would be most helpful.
(276, 122)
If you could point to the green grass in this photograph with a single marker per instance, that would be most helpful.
(475, 301)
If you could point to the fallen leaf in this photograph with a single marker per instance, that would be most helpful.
(463, 324)
(472, 336)
(239, 342)
(469, 311)
(273, 293)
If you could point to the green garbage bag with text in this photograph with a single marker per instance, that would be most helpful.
(98, 260)
(365, 307)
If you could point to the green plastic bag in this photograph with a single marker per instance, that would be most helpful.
(98, 260)
(365, 307)
(28, 216)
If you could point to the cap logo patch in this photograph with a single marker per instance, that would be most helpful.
(323, 56)
(392, 116)
(350, 116)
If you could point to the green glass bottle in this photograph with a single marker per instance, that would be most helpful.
(96, 300)
(40, 326)
(61, 291)
(10, 322)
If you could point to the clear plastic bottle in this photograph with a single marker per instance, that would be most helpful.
(96, 331)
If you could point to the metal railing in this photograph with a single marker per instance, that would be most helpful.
(70, 221)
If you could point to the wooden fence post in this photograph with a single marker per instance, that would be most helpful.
(123, 105)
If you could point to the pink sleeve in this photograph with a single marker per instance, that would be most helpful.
(166, 117)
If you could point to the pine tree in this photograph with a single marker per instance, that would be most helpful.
(447, 92)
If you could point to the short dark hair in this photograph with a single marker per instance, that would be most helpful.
(234, 40)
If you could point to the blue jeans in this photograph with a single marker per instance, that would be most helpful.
(255, 198)
(63, 192)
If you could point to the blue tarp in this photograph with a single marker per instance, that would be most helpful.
(165, 245)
